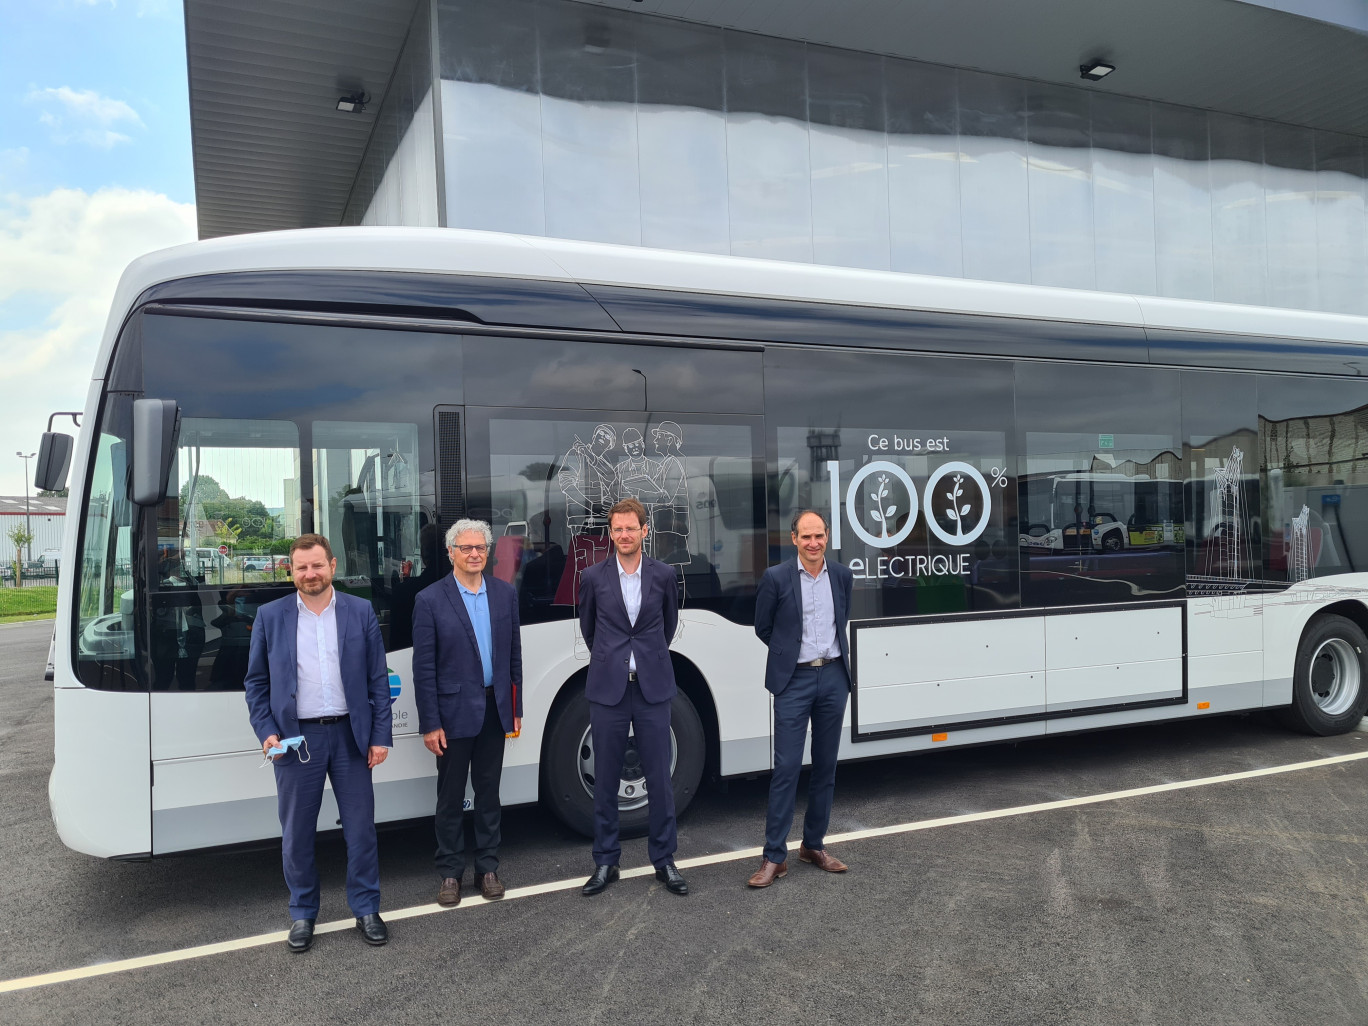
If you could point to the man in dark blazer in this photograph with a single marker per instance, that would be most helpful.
(467, 681)
(628, 612)
(801, 610)
(316, 670)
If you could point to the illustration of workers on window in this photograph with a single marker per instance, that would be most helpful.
(638, 477)
(670, 512)
(589, 479)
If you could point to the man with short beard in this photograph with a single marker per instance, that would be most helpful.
(316, 671)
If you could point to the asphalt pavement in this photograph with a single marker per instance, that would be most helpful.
(1243, 902)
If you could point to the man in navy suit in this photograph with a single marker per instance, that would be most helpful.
(316, 669)
(467, 680)
(628, 611)
(801, 610)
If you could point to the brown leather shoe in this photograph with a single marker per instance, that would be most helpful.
(819, 858)
(490, 887)
(450, 892)
(767, 873)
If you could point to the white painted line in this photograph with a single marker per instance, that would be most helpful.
(513, 894)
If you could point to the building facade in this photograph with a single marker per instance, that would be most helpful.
(609, 121)
(43, 517)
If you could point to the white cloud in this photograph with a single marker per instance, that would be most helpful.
(65, 249)
(83, 115)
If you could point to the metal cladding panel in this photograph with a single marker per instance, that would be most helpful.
(1242, 58)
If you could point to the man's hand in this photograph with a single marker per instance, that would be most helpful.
(517, 724)
(271, 742)
(436, 741)
(376, 756)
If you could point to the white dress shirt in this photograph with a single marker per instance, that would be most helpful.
(631, 598)
(318, 671)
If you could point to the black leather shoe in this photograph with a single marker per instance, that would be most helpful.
(603, 876)
(673, 881)
(373, 929)
(301, 935)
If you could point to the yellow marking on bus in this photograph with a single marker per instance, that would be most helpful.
(1203, 705)
(939, 737)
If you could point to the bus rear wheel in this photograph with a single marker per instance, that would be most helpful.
(1328, 693)
(568, 767)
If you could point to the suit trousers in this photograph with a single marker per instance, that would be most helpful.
(818, 696)
(332, 754)
(481, 758)
(650, 722)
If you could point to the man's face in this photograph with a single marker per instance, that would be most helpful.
(635, 446)
(601, 442)
(661, 441)
(312, 570)
(469, 553)
(627, 533)
(811, 537)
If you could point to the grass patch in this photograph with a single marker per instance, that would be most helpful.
(28, 603)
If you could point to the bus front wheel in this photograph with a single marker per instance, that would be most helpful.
(569, 770)
(1328, 694)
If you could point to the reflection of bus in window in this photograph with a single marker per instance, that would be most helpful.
(530, 382)
(1106, 513)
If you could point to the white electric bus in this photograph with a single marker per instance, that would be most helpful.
(374, 385)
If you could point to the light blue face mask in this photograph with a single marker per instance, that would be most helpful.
(288, 743)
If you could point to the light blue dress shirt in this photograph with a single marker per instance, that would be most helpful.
(819, 617)
(477, 605)
(318, 670)
(631, 598)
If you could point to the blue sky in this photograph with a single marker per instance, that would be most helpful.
(95, 169)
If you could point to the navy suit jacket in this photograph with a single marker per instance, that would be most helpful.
(779, 617)
(448, 676)
(272, 666)
(613, 639)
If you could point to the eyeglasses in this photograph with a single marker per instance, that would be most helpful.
(466, 550)
(625, 530)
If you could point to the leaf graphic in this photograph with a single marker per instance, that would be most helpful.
(873, 497)
(952, 514)
(964, 509)
(876, 515)
(949, 496)
(883, 492)
(890, 511)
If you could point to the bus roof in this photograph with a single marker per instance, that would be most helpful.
(458, 251)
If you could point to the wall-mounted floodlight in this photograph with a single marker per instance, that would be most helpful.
(355, 103)
(1096, 71)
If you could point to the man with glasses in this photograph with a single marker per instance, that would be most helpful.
(467, 682)
(628, 611)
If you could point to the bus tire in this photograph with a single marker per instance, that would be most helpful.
(567, 767)
(1328, 684)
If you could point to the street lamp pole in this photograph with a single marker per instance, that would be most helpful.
(28, 521)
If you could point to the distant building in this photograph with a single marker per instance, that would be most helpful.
(46, 519)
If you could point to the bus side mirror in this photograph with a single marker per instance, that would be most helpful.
(156, 426)
(54, 460)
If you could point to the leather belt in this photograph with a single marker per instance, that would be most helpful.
(328, 719)
(816, 663)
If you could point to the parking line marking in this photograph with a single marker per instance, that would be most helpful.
(513, 894)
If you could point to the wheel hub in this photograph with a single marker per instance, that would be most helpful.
(632, 785)
(1336, 676)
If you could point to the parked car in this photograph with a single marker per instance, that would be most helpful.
(256, 562)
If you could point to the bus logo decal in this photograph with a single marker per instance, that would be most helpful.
(889, 490)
